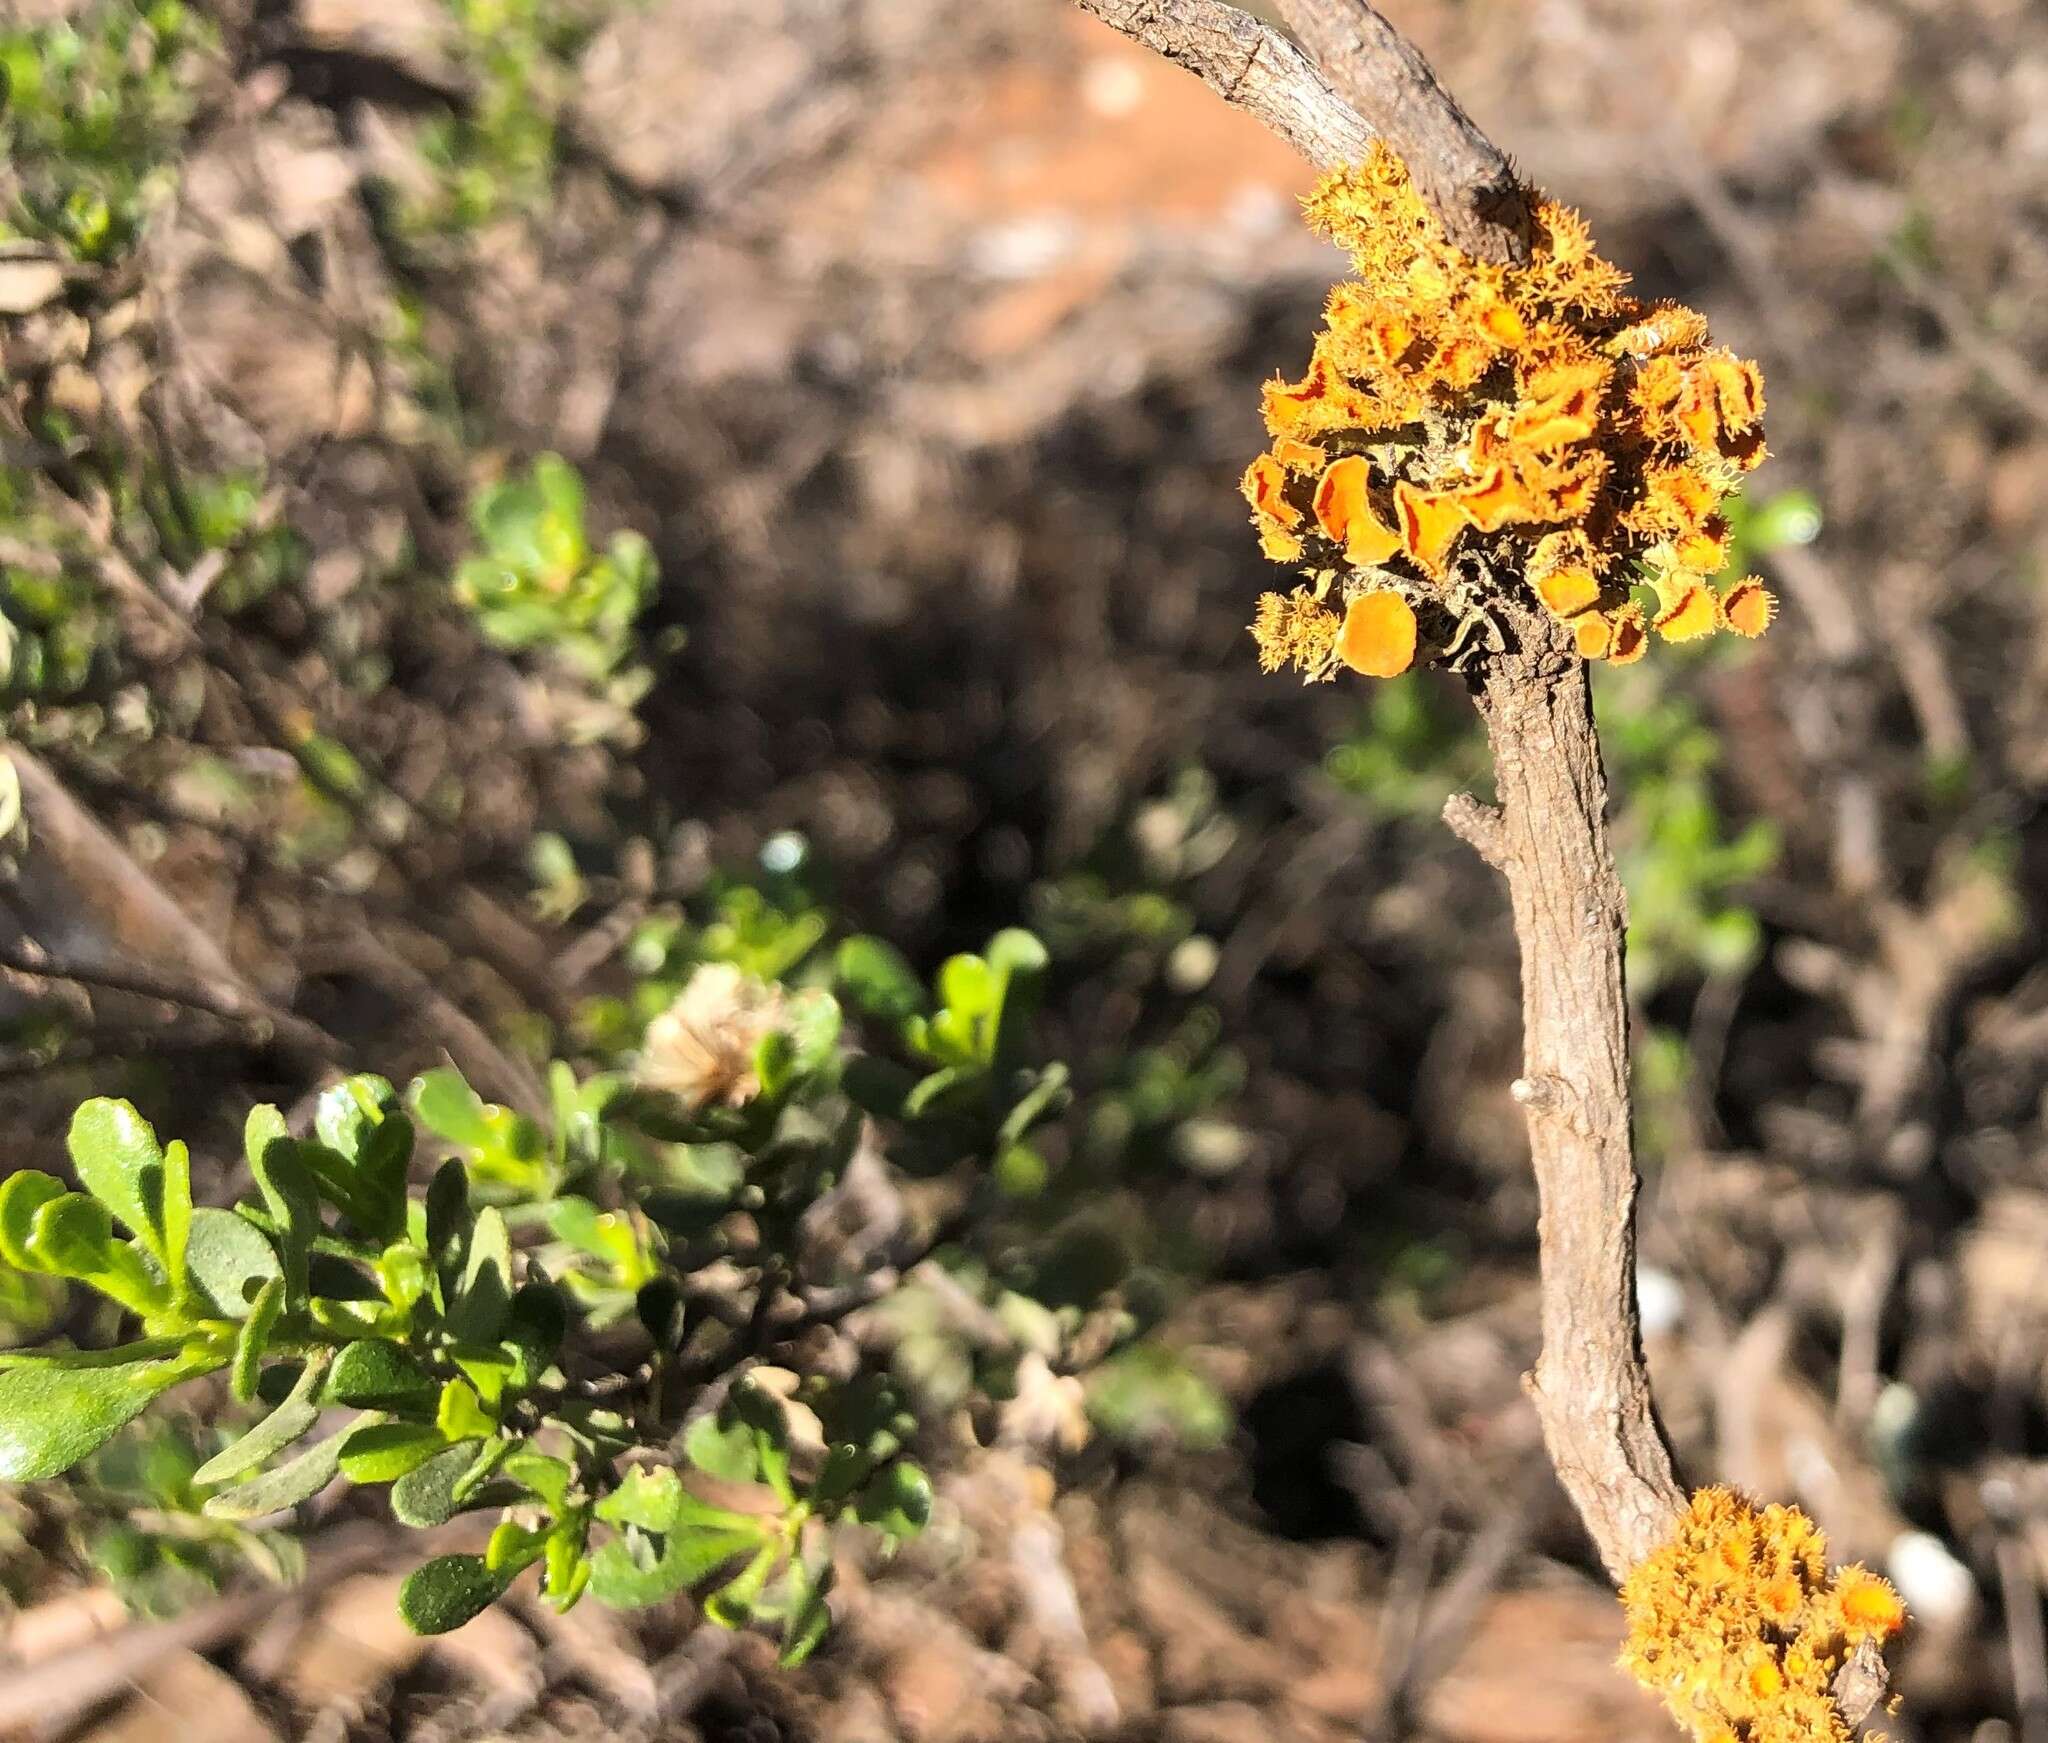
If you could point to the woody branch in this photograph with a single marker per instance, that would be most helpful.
(1548, 835)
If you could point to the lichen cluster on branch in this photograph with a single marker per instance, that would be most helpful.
(1737, 1623)
(1466, 430)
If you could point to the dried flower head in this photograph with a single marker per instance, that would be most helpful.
(701, 1049)
(1736, 1623)
(1468, 431)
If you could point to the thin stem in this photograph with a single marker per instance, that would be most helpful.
(1548, 840)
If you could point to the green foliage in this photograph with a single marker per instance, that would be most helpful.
(538, 584)
(1416, 744)
(140, 1521)
(1755, 529)
(94, 110)
(495, 154)
(53, 636)
(560, 1322)
(1149, 1394)
(341, 1289)
(1680, 867)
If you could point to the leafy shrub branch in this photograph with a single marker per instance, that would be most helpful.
(581, 1320)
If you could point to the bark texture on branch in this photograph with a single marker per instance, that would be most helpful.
(1387, 89)
(1548, 839)
(1464, 176)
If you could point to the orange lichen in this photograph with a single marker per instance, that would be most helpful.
(1567, 592)
(1430, 525)
(1378, 637)
(1303, 457)
(1690, 615)
(1344, 511)
(1627, 638)
(1264, 487)
(1736, 1624)
(1296, 630)
(1868, 1607)
(1748, 607)
(1459, 417)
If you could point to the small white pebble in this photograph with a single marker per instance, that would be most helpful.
(1660, 1299)
(1112, 85)
(1937, 1587)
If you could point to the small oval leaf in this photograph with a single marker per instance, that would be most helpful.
(448, 1591)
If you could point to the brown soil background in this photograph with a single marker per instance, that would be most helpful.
(923, 338)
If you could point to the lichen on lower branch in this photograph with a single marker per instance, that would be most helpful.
(1740, 1626)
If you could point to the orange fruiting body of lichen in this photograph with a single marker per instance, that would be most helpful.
(1738, 1625)
(1468, 431)
(1378, 637)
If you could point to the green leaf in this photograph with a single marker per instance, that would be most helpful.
(254, 1339)
(549, 1478)
(382, 1452)
(1045, 1098)
(897, 1500)
(225, 1255)
(568, 1562)
(448, 1591)
(332, 1278)
(177, 1213)
(141, 1350)
(732, 1605)
(484, 1299)
(288, 1192)
(290, 1420)
(726, 1451)
(1019, 962)
(50, 1418)
(809, 1615)
(603, 1235)
(73, 1236)
(764, 1415)
(490, 1371)
(346, 1113)
(629, 1575)
(965, 985)
(381, 1167)
(513, 1547)
(774, 1062)
(930, 1092)
(460, 1415)
(22, 1194)
(561, 489)
(1148, 1392)
(814, 1024)
(482, 1468)
(264, 1126)
(650, 1496)
(450, 1109)
(538, 1322)
(427, 1496)
(333, 1177)
(288, 1485)
(448, 1221)
(377, 1375)
(121, 1164)
(877, 980)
